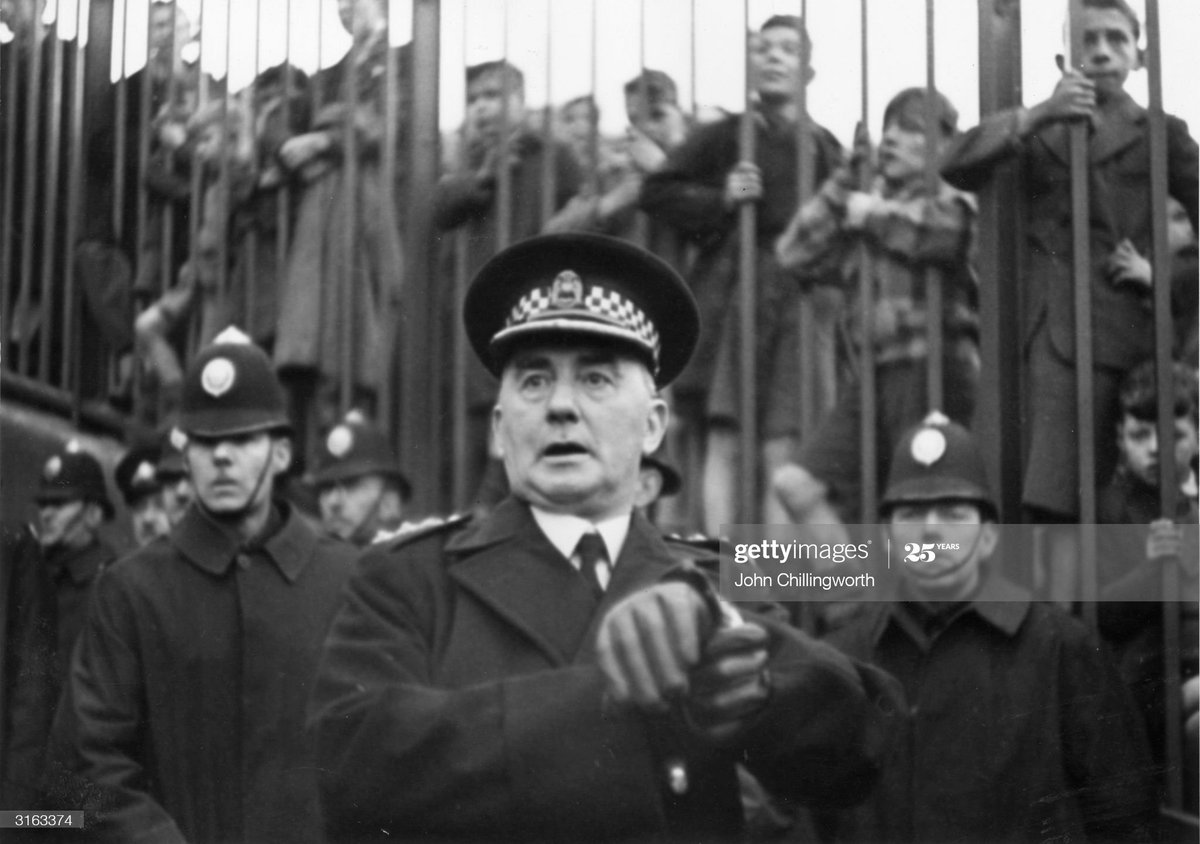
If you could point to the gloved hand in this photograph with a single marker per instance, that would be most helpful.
(650, 641)
(730, 684)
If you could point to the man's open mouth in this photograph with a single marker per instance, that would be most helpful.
(564, 450)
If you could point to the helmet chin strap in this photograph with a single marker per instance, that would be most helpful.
(241, 512)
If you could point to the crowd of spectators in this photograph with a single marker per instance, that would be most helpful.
(271, 208)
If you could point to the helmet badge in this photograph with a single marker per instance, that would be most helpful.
(340, 441)
(218, 376)
(928, 446)
(566, 291)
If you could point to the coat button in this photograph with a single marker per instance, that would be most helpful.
(243, 561)
(677, 776)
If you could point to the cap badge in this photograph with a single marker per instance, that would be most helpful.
(53, 468)
(340, 441)
(566, 291)
(218, 376)
(144, 473)
(928, 446)
(178, 439)
(73, 446)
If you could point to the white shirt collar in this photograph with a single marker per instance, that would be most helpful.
(564, 530)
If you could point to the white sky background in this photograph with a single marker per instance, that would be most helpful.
(260, 33)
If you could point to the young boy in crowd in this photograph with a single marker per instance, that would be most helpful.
(1136, 543)
(698, 192)
(1018, 727)
(893, 228)
(467, 200)
(1091, 92)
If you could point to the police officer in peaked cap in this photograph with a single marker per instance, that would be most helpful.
(207, 642)
(72, 502)
(360, 488)
(137, 478)
(549, 668)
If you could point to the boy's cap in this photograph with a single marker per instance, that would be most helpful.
(137, 474)
(582, 287)
(938, 460)
(73, 474)
(230, 388)
(353, 448)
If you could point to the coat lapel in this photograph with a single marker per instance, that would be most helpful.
(1122, 126)
(507, 564)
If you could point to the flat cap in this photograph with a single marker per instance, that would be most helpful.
(584, 286)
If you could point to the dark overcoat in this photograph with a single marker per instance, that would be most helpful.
(459, 699)
(1119, 193)
(1017, 728)
(183, 717)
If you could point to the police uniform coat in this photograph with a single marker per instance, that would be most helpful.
(1017, 727)
(183, 717)
(458, 699)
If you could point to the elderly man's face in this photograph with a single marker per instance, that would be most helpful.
(572, 425)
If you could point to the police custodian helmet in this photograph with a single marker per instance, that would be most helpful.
(230, 389)
(582, 286)
(354, 448)
(73, 474)
(938, 461)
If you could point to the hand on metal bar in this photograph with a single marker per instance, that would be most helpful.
(743, 184)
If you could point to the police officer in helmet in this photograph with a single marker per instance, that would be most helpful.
(360, 488)
(72, 501)
(199, 652)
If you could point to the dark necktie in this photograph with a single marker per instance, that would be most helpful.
(592, 555)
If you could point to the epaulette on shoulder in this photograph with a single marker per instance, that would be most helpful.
(695, 549)
(409, 532)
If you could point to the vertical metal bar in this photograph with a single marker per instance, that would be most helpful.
(168, 205)
(72, 348)
(53, 165)
(422, 432)
(748, 300)
(549, 188)
(933, 277)
(809, 345)
(8, 200)
(998, 418)
(120, 138)
(249, 257)
(283, 199)
(1167, 483)
(196, 185)
(504, 171)
(346, 276)
(460, 473)
(866, 295)
(641, 223)
(593, 174)
(33, 99)
(225, 188)
(144, 116)
(384, 411)
(1082, 279)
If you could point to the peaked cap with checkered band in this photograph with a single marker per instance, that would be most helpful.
(584, 286)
